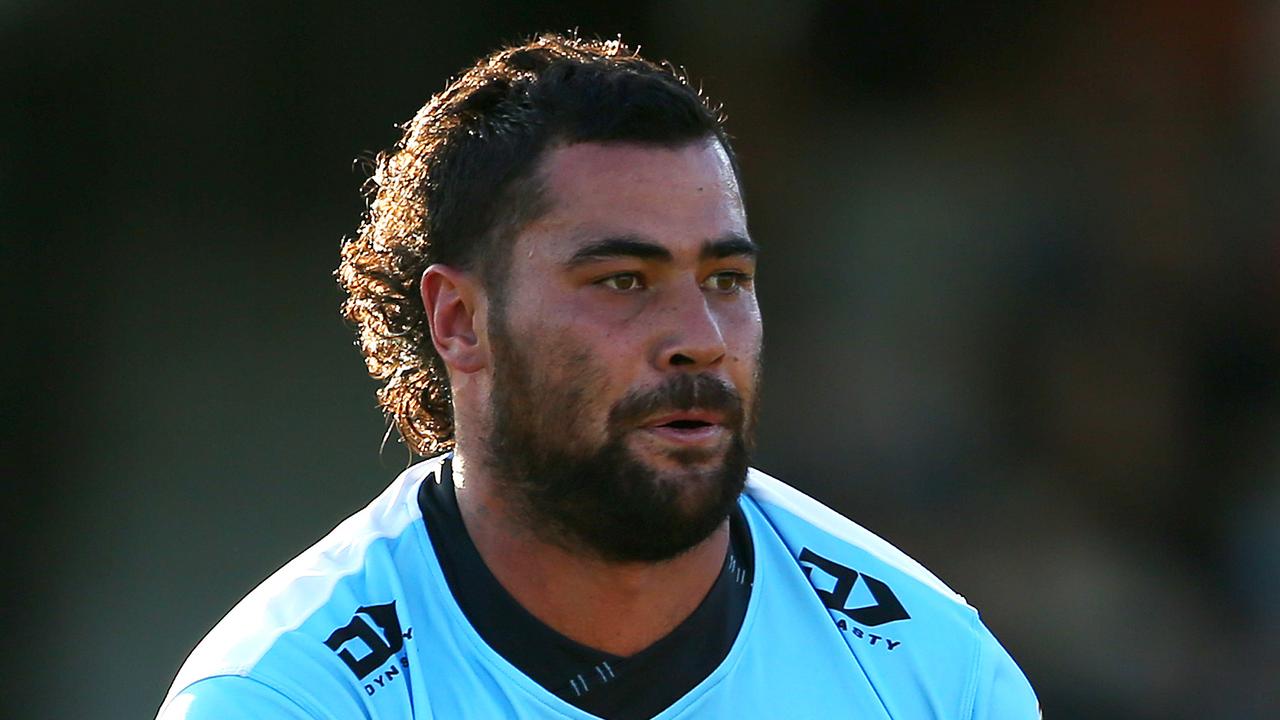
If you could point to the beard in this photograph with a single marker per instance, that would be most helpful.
(599, 497)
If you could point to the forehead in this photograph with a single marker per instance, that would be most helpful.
(668, 195)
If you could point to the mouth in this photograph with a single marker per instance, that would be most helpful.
(693, 427)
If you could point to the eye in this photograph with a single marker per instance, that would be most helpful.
(727, 282)
(623, 282)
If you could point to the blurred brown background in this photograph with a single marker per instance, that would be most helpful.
(1019, 285)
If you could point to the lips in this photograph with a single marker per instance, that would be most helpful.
(689, 414)
(687, 420)
(688, 429)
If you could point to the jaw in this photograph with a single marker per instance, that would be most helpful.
(635, 499)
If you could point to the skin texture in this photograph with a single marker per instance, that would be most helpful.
(632, 290)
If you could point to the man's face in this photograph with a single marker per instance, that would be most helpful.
(626, 350)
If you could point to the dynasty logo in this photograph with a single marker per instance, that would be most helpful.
(834, 583)
(379, 645)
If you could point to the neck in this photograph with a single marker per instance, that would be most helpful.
(576, 593)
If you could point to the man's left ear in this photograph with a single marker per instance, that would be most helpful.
(454, 304)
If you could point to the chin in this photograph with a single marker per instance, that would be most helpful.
(680, 461)
(654, 505)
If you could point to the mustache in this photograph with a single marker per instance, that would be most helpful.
(681, 392)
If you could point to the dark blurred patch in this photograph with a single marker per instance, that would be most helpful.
(885, 51)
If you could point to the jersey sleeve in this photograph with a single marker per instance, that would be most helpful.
(1003, 692)
(232, 697)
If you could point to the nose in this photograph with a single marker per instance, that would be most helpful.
(692, 340)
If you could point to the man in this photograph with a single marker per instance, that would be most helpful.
(555, 282)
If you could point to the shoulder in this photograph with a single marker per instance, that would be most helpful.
(285, 638)
(888, 606)
(231, 697)
(801, 520)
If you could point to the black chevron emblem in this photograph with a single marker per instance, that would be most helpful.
(380, 644)
(887, 607)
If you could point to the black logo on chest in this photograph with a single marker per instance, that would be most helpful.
(382, 643)
(886, 608)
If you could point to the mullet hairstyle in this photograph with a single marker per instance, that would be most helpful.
(461, 183)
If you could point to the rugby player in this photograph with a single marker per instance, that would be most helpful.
(555, 284)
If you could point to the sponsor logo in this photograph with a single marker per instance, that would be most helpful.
(834, 583)
(364, 649)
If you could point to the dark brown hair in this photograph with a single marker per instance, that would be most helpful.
(460, 183)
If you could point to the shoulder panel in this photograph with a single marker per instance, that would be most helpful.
(303, 587)
(773, 495)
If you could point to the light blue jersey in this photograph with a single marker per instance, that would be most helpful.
(363, 625)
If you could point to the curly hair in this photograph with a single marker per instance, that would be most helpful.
(461, 182)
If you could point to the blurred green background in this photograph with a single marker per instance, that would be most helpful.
(1019, 285)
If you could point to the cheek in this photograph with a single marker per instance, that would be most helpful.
(603, 337)
(744, 352)
(570, 381)
(744, 334)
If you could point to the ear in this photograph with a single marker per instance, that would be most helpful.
(454, 303)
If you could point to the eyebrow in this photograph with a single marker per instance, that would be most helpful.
(628, 246)
(729, 246)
